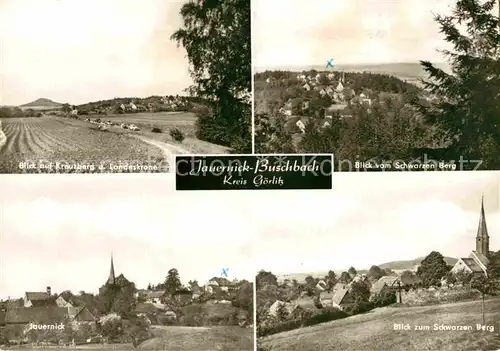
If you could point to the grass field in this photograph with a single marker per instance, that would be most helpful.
(184, 121)
(200, 339)
(374, 330)
(53, 139)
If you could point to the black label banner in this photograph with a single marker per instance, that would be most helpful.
(229, 172)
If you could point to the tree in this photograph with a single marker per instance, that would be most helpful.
(432, 269)
(216, 36)
(172, 282)
(360, 292)
(485, 286)
(265, 278)
(345, 277)
(193, 284)
(352, 271)
(376, 272)
(244, 298)
(331, 280)
(468, 111)
(66, 108)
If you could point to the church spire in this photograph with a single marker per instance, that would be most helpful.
(111, 279)
(482, 238)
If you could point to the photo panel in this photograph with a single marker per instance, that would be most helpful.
(114, 86)
(102, 263)
(393, 85)
(404, 261)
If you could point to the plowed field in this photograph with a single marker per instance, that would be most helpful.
(63, 146)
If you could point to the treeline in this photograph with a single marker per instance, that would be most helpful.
(389, 130)
(8, 112)
(358, 81)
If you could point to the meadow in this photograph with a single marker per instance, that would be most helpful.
(166, 121)
(175, 338)
(224, 338)
(374, 330)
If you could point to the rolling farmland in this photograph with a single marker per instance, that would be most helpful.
(50, 139)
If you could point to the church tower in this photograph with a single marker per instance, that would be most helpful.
(482, 238)
(111, 279)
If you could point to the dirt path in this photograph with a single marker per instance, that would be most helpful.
(168, 149)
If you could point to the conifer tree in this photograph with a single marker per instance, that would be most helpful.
(468, 109)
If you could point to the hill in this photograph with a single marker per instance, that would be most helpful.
(42, 103)
(394, 265)
(375, 330)
(411, 264)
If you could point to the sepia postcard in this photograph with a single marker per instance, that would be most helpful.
(100, 263)
(399, 261)
(121, 86)
(396, 85)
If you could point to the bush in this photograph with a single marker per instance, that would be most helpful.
(362, 307)
(177, 135)
(156, 130)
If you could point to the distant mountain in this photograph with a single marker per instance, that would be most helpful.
(42, 102)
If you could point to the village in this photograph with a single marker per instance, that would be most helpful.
(286, 304)
(84, 317)
(337, 95)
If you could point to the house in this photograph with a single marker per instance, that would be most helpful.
(330, 111)
(154, 296)
(478, 260)
(305, 105)
(307, 87)
(35, 299)
(141, 293)
(285, 111)
(39, 315)
(321, 286)
(342, 299)
(326, 298)
(122, 106)
(81, 314)
(60, 302)
(322, 92)
(331, 75)
(133, 107)
(290, 309)
(329, 90)
(385, 284)
(144, 308)
(301, 125)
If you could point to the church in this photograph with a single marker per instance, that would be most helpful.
(477, 261)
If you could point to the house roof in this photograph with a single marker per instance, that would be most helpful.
(339, 296)
(35, 314)
(155, 294)
(482, 258)
(145, 308)
(37, 296)
(81, 313)
(388, 280)
(472, 265)
(14, 303)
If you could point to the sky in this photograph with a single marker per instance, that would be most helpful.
(289, 33)
(61, 231)
(363, 222)
(77, 51)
